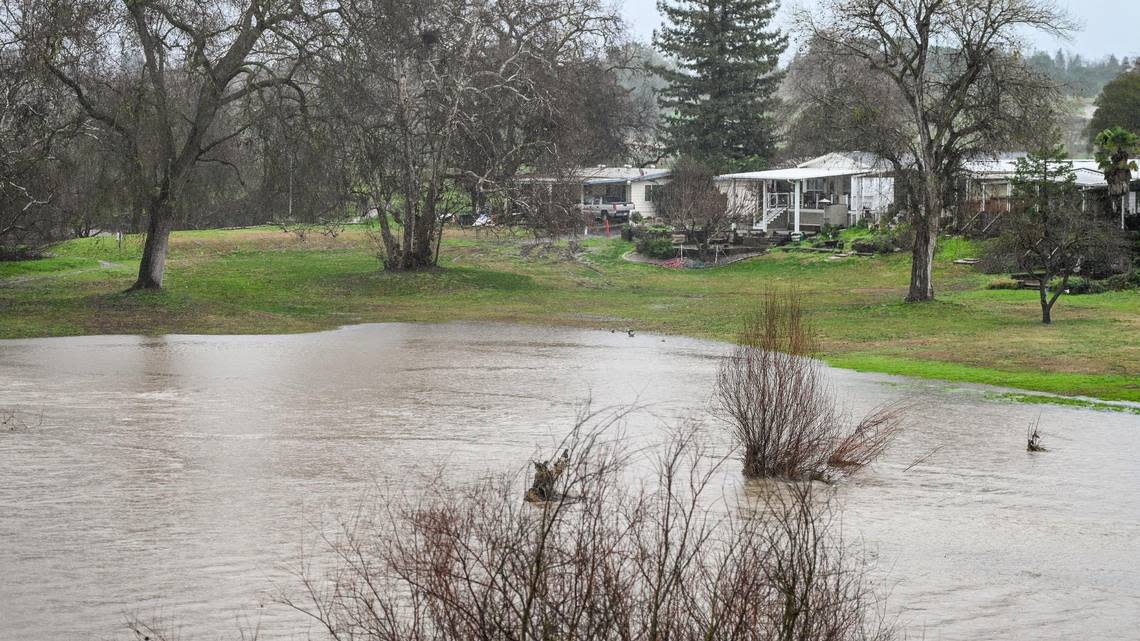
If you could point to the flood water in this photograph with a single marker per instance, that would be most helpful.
(175, 477)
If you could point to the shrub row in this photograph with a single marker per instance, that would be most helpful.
(656, 247)
(877, 244)
(1079, 285)
(884, 241)
(1119, 282)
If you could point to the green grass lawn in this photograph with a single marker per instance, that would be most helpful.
(263, 280)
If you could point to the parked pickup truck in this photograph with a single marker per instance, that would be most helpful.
(613, 211)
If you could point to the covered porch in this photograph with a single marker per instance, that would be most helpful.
(796, 199)
(604, 191)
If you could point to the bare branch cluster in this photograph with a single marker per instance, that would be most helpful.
(608, 560)
(33, 122)
(303, 113)
(693, 204)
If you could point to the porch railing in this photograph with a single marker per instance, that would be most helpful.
(779, 199)
(808, 200)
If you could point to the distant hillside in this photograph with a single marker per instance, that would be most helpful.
(1083, 81)
(1081, 78)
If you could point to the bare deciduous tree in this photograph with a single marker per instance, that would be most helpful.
(157, 76)
(548, 206)
(33, 124)
(837, 102)
(584, 110)
(693, 204)
(303, 182)
(957, 68)
(439, 98)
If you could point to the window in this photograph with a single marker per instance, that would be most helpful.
(651, 193)
(815, 184)
(615, 193)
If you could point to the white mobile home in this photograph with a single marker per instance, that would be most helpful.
(834, 189)
(633, 186)
(988, 189)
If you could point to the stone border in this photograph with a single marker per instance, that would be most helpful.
(634, 257)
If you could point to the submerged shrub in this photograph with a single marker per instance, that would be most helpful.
(605, 560)
(778, 403)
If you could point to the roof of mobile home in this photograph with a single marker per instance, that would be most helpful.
(792, 173)
(602, 175)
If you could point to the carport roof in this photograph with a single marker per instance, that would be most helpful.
(793, 173)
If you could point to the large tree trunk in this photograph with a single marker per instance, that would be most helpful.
(423, 252)
(391, 247)
(922, 261)
(153, 265)
(409, 219)
(926, 227)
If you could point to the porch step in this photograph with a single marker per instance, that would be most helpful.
(770, 216)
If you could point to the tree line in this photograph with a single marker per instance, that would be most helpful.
(147, 115)
(1078, 76)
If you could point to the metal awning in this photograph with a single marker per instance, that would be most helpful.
(621, 180)
(793, 174)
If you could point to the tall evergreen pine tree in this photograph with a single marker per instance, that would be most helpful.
(722, 95)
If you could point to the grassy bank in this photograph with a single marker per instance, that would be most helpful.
(262, 280)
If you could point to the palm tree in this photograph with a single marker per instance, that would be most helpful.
(1114, 150)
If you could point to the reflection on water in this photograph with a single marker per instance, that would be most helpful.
(178, 475)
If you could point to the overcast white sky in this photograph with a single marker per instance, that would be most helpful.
(1110, 26)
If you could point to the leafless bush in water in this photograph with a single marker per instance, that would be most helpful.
(631, 561)
(870, 438)
(779, 404)
(1033, 437)
(164, 628)
(153, 629)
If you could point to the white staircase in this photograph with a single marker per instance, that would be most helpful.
(767, 217)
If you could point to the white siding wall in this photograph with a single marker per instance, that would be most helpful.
(872, 191)
(640, 202)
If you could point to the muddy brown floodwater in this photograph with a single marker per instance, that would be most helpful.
(175, 477)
